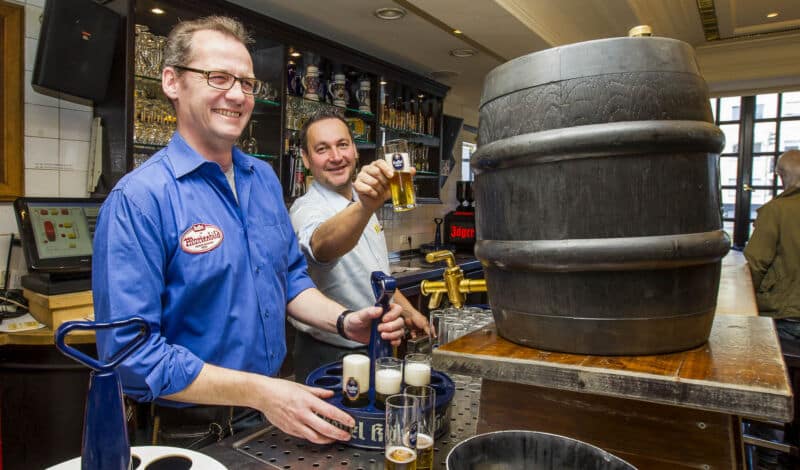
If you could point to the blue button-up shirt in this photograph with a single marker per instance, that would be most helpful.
(211, 276)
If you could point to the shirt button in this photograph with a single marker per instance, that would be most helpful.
(258, 270)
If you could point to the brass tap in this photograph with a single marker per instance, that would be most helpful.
(454, 284)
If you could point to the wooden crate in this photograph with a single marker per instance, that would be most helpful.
(53, 310)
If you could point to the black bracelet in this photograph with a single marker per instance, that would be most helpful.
(340, 323)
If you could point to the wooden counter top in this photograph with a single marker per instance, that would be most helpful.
(740, 371)
(736, 295)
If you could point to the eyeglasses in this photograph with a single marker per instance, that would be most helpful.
(224, 80)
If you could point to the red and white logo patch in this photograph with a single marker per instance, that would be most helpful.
(201, 238)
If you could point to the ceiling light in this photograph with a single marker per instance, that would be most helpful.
(463, 52)
(295, 54)
(390, 13)
(383, 82)
(456, 31)
(157, 11)
(420, 96)
(773, 14)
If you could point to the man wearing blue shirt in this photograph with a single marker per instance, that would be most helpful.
(198, 242)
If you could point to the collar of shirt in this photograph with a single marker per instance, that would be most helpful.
(788, 192)
(191, 160)
(334, 199)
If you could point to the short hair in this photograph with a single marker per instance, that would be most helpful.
(788, 167)
(321, 115)
(178, 49)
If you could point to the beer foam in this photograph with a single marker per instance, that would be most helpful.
(418, 374)
(387, 381)
(400, 454)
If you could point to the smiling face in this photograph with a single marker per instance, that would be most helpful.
(211, 120)
(331, 155)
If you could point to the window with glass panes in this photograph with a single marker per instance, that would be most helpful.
(757, 130)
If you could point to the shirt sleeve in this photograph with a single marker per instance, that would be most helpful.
(762, 247)
(305, 221)
(128, 280)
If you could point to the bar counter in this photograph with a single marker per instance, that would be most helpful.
(678, 410)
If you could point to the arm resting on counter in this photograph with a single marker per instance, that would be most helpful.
(290, 406)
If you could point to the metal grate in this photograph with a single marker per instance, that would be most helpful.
(273, 447)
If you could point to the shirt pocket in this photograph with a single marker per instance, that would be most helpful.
(270, 246)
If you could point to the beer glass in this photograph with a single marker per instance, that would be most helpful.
(426, 428)
(400, 433)
(418, 369)
(355, 380)
(395, 152)
(388, 377)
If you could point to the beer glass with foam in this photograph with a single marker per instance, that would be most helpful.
(355, 380)
(418, 369)
(427, 424)
(388, 377)
(395, 153)
(400, 433)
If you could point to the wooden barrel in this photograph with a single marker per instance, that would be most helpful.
(597, 194)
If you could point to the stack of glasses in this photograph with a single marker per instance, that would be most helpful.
(453, 323)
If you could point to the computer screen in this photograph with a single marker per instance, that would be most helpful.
(57, 233)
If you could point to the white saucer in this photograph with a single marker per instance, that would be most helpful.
(149, 454)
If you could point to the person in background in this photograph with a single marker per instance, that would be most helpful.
(773, 252)
(340, 235)
(198, 242)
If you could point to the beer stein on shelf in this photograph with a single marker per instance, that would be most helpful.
(293, 85)
(363, 95)
(338, 90)
(311, 83)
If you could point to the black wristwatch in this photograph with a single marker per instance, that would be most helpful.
(340, 323)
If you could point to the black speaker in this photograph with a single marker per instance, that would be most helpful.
(76, 48)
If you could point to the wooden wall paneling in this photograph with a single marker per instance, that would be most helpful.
(648, 435)
(12, 107)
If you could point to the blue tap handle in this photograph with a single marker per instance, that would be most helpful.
(121, 355)
(383, 286)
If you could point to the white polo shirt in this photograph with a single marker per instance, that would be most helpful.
(347, 279)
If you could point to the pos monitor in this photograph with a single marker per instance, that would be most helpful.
(57, 238)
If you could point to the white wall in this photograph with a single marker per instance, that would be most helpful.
(56, 138)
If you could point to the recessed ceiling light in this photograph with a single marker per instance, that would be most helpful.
(420, 96)
(456, 31)
(773, 14)
(383, 82)
(463, 52)
(295, 54)
(390, 13)
(157, 11)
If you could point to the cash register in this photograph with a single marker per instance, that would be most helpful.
(57, 238)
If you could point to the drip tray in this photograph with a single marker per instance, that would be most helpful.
(272, 446)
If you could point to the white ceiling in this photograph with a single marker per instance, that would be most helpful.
(510, 28)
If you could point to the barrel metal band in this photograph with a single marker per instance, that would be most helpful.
(588, 59)
(600, 140)
(605, 254)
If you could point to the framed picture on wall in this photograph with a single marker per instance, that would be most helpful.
(12, 108)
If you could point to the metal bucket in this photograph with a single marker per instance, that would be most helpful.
(597, 198)
(530, 450)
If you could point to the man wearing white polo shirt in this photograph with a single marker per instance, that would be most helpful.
(340, 235)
